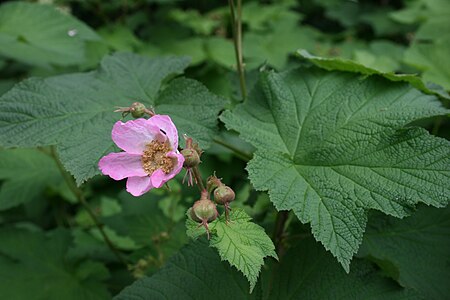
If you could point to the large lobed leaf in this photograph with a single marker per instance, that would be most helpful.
(331, 145)
(414, 251)
(75, 111)
(241, 242)
(41, 35)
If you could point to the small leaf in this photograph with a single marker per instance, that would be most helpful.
(240, 242)
(331, 145)
(414, 251)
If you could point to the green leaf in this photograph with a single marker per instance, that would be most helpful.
(75, 111)
(275, 46)
(429, 49)
(195, 272)
(240, 242)
(143, 223)
(417, 248)
(331, 145)
(202, 25)
(120, 38)
(42, 35)
(258, 16)
(220, 51)
(342, 64)
(381, 55)
(432, 59)
(33, 266)
(192, 47)
(308, 272)
(26, 174)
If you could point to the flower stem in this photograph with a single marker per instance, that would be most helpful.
(82, 200)
(236, 24)
(198, 178)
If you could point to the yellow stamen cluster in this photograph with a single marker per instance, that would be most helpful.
(154, 158)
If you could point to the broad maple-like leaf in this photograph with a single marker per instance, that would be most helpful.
(331, 145)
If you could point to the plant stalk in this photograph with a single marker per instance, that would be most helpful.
(82, 200)
(236, 25)
(198, 178)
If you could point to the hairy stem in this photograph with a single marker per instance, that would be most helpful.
(198, 178)
(236, 24)
(82, 200)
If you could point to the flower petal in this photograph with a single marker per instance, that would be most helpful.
(121, 165)
(134, 135)
(138, 186)
(165, 123)
(159, 177)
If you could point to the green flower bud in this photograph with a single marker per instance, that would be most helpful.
(191, 158)
(204, 210)
(223, 194)
(193, 215)
(137, 110)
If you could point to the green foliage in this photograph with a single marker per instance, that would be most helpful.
(342, 64)
(432, 58)
(41, 35)
(240, 242)
(331, 135)
(308, 272)
(429, 49)
(196, 272)
(144, 223)
(33, 265)
(26, 174)
(331, 145)
(75, 111)
(413, 251)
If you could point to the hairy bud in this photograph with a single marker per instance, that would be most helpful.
(205, 210)
(137, 110)
(191, 158)
(223, 194)
(212, 183)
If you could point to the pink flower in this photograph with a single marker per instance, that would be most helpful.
(151, 157)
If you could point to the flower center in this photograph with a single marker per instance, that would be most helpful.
(155, 158)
